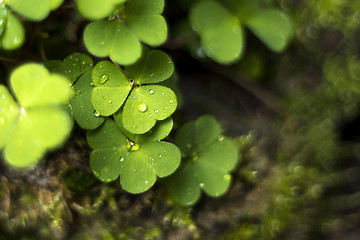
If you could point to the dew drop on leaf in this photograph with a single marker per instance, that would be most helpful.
(171, 101)
(146, 181)
(96, 113)
(160, 155)
(110, 101)
(156, 111)
(202, 185)
(96, 173)
(151, 74)
(151, 91)
(108, 180)
(142, 107)
(104, 78)
(121, 159)
(227, 177)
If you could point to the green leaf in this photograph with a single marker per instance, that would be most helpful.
(144, 19)
(32, 9)
(112, 88)
(37, 130)
(9, 111)
(210, 158)
(273, 27)
(141, 167)
(110, 147)
(55, 4)
(154, 66)
(161, 130)
(77, 64)
(141, 7)
(34, 86)
(112, 38)
(220, 31)
(94, 9)
(150, 29)
(3, 18)
(145, 105)
(197, 135)
(82, 109)
(14, 34)
(137, 165)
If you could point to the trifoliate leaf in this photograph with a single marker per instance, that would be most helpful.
(161, 130)
(220, 31)
(3, 18)
(137, 164)
(32, 9)
(39, 124)
(14, 34)
(83, 111)
(94, 9)
(34, 86)
(9, 111)
(210, 158)
(154, 66)
(273, 27)
(112, 88)
(112, 38)
(147, 104)
(194, 136)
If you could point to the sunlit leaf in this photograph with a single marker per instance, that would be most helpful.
(147, 104)
(14, 34)
(112, 38)
(94, 9)
(32, 9)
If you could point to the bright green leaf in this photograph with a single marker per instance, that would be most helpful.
(150, 29)
(34, 86)
(112, 38)
(145, 105)
(112, 88)
(220, 31)
(32, 9)
(56, 4)
(154, 66)
(141, 7)
(14, 34)
(141, 167)
(161, 130)
(273, 27)
(3, 18)
(82, 109)
(9, 111)
(95, 9)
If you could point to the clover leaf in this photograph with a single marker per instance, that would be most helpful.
(137, 164)
(221, 33)
(34, 9)
(94, 9)
(144, 103)
(209, 159)
(221, 29)
(38, 123)
(119, 37)
(13, 32)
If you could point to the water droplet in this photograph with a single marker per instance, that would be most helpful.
(102, 43)
(91, 83)
(110, 101)
(202, 185)
(150, 115)
(104, 157)
(108, 180)
(134, 171)
(142, 107)
(96, 173)
(162, 93)
(133, 97)
(146, 181)
(169, 61)
(160, 155)
(221, 138)
(83, 63)
(121, 159)
(96, 113)
(227, 177)
(103, 78)
(151, 74)
(156, 111)
(171, 101)
(151, 91)
(81, 106)
(101, 66)
(3, 96)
